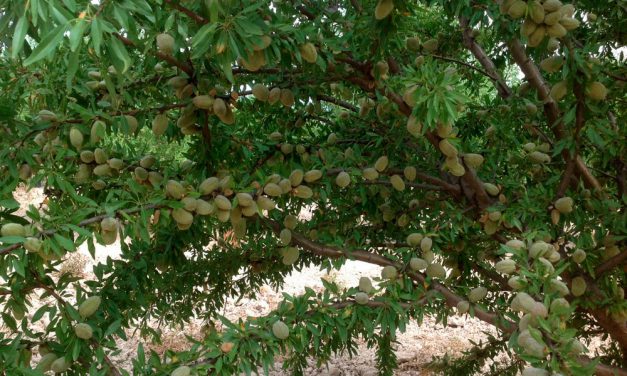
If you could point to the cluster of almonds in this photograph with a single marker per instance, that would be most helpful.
(262, 93)
(427, 261)
(247, 206)
(544, 18)
(52, 362)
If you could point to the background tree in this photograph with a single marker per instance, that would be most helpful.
(475, 150)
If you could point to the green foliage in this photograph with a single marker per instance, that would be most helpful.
(164, 147)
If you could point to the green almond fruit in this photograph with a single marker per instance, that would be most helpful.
(381, 164)
(414, 239)
(274, 96)
(89, 306)
(537, 36)
(447, 148)
(365, 285)
(244, 199)
(266, 203)
(296, 177)
(273, 190)
(97, 132)
(308, 52)
(155, 178)
(160, 124)
(516, 244)
(219, 107)
(33, 244)
(46, 116)
(389, 272)
(46, 362)
(204, 208)
(147, 161)
(287, 98)
(410, 173)
(100, 156)
(536, 11)
(222, 203)
(116, 163)
(280, 330)
(290, 255)
(436, 271)
(177, 82)
(83, 331)
(182, 371)
(559, 287)
(556, 31)
(412, 43)
(204, 102)
(286, 236)
(343, 179)
(165, 43)
(463, 306)
(552, 64)
(539, 157)
(596, 91)
(76, 138)
(528, 27)
(13, 229)
(516, 283)
(430, 45)
(578, 256)
(290, 221)
(506, 266)
(569, 23)
(552, 18)
(175, 189)
(533, 371)
(312, 176)
(87, 156)
(223, 215)
(564, 205)
(370, 173)
(414, 126)
(517, 9)
(383, 9)
(477, 294)
(397, 183)
(303, 191)
(362, 298)
(473, 160)
(189, 203)
(209, 185)
(552, 5)
(426, 244)
(261, 92)
(538, 249)
(60, 365)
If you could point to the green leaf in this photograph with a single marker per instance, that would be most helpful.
(113, 327)
(76, 34)
(65, 242)
(47, 45)
(96, 35)
(121, 59)
(21, 27)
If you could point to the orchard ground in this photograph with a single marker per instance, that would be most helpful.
(417, 347)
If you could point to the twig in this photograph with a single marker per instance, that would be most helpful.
(165, 57)
(339, 102)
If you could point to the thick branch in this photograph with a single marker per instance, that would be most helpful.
(486, 62)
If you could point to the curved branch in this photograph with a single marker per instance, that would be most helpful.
(610, 264)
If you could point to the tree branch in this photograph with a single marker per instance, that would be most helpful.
(490, 69)
(451, 298)
(189, 13)
(165, 57)
(339, 102)
(610, 264)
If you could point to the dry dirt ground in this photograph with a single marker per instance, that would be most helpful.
(418, 344)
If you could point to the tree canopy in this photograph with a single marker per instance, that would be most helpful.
(474, 149)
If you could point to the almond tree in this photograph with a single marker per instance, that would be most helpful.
(473, 149)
